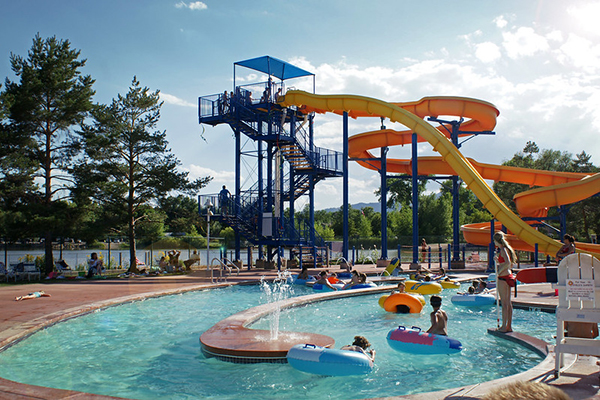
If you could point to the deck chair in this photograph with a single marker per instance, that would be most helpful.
(578, 301)
(61, 265)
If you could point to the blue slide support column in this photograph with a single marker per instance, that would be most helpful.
(415, 199)
(238, 190)
(345, 184)
(383, 172)
(491, 249)
(455, 202)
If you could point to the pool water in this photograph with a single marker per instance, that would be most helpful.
(150, 350)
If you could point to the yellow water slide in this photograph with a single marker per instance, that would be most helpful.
(557, 188)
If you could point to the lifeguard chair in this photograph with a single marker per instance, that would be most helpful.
(578, 301)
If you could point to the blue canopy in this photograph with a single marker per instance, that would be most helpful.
(273, 66)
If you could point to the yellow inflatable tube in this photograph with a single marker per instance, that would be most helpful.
(449, 284)
(423, 287)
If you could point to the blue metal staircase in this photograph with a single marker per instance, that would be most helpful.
(265, 120)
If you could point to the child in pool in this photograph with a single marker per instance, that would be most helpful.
(324, 281)
(361, 344)
(439, 318)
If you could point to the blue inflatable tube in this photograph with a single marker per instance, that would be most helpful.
(415, 341)
(297, 281)
(324, 361)
(473, 300)
(322, 288)
(363, 286)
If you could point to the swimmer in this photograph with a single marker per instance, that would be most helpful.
(439, 318)
(324, 281)
(361, 344)
(400, 289)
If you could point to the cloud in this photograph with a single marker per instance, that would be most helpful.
(176, 101)
(500, 21)
(586, 16)
(196, 5)
(524, 42)
(487, 52)
(581, 53)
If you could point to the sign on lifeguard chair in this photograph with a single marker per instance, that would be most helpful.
(578, 289)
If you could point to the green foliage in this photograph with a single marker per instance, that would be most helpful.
(181, 214)
(583, 218)
(41, 110)
(128, 164)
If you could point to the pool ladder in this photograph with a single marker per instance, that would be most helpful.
(222, 265)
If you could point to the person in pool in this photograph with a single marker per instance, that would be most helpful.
(304, 273)
(482, 288)
(401, 288)
(361, 345)
(355, 280)
(324, 281)
(439, 318)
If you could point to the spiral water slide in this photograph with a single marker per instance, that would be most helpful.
(554, 188)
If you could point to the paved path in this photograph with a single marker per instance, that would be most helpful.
(19, 319)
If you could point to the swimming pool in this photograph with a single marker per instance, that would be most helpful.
(150, 349)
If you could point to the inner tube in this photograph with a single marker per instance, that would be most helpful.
(449, 284)
(415, 341)
(415, 295)
(402, 299)
(473, 300)
(297, 281)
(324, 361)
(322, 288)
(423, 287)
(363, 286)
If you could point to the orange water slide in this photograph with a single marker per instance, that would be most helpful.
(557, 188)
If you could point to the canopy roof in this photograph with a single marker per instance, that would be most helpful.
(273, 66)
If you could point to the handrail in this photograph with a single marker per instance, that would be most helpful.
(212, 280)
(229, 265)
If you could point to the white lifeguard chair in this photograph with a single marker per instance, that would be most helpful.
(578, 301)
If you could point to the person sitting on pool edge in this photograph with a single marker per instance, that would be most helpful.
(439, 318)
(324, 281)
(361, 344)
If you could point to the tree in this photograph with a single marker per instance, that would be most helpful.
(181, 214)
(127, 162)
(583, 217)
(400, 191)
(51, 98)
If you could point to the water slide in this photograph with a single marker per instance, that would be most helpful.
(555, 188)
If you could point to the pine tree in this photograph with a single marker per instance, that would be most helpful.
(128, 164)
(42, 109)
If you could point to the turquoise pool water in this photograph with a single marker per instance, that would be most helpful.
(150, 350)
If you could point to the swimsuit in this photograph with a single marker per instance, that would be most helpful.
(510, 279)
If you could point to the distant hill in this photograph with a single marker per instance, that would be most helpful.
(359, 206)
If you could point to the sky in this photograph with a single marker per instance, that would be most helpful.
(538, 62)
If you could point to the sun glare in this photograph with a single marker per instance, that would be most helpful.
(586, 15)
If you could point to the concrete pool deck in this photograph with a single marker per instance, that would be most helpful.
(70, 298)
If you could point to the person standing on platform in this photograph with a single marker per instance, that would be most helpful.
(505, 259)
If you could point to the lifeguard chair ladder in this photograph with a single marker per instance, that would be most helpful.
(576, 275)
